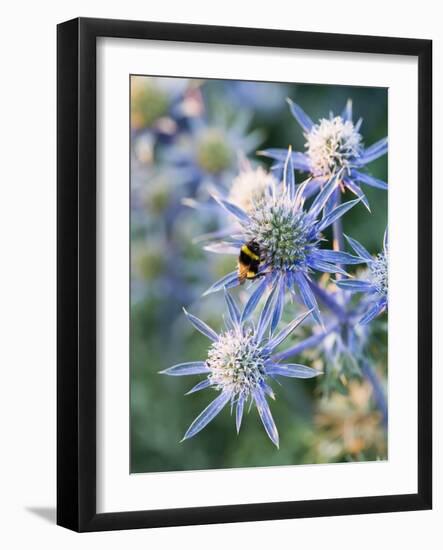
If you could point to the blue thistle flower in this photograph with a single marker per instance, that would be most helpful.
(239, 365)
(209, 153)
(289, 240)
(334, 145)
(375, 285)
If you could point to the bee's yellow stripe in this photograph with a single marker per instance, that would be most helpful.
(251, 275)
(249, 253)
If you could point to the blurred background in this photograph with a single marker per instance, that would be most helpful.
(189, 138)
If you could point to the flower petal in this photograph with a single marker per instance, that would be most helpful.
(356, 189)
(336, 256)
(211, 411)
(228, 281)
(299, 160)
(370, 180)
(307, 296)
(322, 198)
(278, 310)
(375, 310)
(307, 189)
(347, 111)
(325, 267)
(239, 412)
(234, 312)
(200, 386)
(220, 234)
(385, 241)
(375, 151)
(333, 201)
(266, 313)
(288, 175)
(266, 416)
(283, 334)
(359, 248)
(251, 304)
(307, 343)
(268, 390)
(202, 327)
(338, 212)
(233, 209)
(222, 248)
(292, 370)
(185, 369)
(355, 285)
(300, 116)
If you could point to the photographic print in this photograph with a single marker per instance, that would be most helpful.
(259, 274)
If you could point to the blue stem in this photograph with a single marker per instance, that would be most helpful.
(304, 344)
(329, 301)
(379, 395)
(338, 244)
(337, 229)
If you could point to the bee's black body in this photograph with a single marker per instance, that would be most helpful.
(248, 261)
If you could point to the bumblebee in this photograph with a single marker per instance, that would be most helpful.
(248, 261)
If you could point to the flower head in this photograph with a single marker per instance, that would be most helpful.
(331, 145)
(209, 153)
(378, 269)
(334, 146)
(213, 151)
(239, 364)
(250, 186)
(340, 346)
(374, 284)
(288, 237)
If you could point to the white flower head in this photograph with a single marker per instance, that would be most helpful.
(250, 186)
(332, 144)
(379, 273)
(237, 362)
(239, 365)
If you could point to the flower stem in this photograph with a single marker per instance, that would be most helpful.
(305, 344)
(329, 301)
(379, 395)
(338, 310)
(337, 229)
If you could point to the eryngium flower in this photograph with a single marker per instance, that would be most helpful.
(289, 240)
(250, 186)
(239, 365)
(208, 154)
(375, 284)
(334, 146)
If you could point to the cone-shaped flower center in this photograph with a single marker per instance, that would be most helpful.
(332, 144)
(280, 230)
(237, 362)
(379, 273)
(214, 153)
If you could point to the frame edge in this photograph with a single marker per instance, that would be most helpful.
(67, 275)
(76, 383)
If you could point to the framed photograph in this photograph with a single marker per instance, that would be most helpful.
(244, 274)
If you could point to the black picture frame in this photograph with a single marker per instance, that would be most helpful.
(76, 267)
